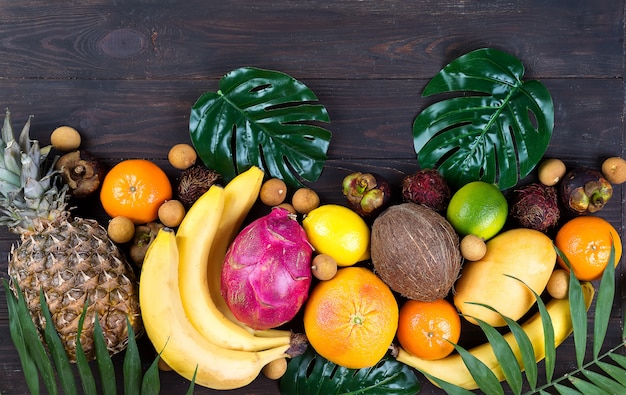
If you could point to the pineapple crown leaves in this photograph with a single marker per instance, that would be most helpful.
(29, 189)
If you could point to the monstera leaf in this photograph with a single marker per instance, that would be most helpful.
(263, 118)
(496, 129)
(311, 374)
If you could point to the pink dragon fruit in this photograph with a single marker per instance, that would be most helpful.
(267, 271)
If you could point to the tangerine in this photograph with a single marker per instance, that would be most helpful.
(586, 243)
(425, 329)
(352, 318)
(135, 188)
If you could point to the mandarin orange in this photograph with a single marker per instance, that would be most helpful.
(352, 318)
(425, 329)
(586, 243)
(135, 188)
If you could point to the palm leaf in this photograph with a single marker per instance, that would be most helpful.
(263, 118)
(497, 130)
(602, 374)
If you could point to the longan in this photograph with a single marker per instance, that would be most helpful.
(287, 206)
(273, 192)
(121, 229)
(473, 248)
(324, 267)
(275, 369)
(558, 284)
(614, 170)
(171, 213)
(551, 171)
(65, 138)
(305, 200)
(182, 156)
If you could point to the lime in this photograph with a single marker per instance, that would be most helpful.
(339, 232)
(478, 208)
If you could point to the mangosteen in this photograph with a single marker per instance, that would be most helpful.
(367, 193)
(584, 190)
(535, 206)
(81, 172)
(427, 187)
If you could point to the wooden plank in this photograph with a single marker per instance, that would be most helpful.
(313, 39)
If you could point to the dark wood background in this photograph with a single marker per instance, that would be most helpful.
(126, 74)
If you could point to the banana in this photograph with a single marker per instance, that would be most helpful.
(195, 238)
(181, 346)
(453, 370)
(240, 194)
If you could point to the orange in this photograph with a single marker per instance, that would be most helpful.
(135, 188)
(426, 328)
(586, 243)
(352, 318)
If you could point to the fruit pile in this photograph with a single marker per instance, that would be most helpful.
(226, 291)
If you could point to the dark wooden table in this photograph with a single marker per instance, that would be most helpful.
(126, 74)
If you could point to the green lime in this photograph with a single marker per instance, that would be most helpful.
(478, 208)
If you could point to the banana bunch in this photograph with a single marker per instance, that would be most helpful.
(453, 370)
(179, 308)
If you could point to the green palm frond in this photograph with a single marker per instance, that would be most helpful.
(602, 374)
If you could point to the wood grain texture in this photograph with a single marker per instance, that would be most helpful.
(126, 74)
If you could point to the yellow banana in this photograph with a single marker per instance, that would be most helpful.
(195, 238)
(181, 346)
(240, 194)
(453, 370)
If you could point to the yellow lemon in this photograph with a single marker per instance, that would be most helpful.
(478, 208)
(339, 232)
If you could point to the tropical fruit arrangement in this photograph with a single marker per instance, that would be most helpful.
(237, 267)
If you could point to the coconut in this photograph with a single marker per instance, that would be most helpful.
(415, 251)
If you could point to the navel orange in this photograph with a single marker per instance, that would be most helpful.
(352, 318)
(135, 188)
(586, 243)
(426, 328)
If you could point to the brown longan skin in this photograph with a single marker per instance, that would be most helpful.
(171, 213)
(65, 138)
(275, 369)
(473, 248)
(182, 156)
(614, 170)
(121, 229)
(305, 200)
(558, 284)
(273, 192)
(551, 171)
(324, 267)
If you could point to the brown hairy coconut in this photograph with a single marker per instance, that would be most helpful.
(415, 251)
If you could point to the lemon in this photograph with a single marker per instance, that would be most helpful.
(339, 232)
(478, 208)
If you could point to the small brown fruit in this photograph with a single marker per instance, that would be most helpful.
(65, 138)
(324, 267)
(614, 170)
(171, 213)
(121, 229)
(275, 369)
(182, 156)
(551, 171)
(288, 207)
(558, 284)
(273, 192)
(473, 248)
(305, 200)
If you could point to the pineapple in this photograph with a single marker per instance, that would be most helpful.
(71, 259)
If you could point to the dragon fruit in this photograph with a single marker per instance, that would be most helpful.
(267, 271)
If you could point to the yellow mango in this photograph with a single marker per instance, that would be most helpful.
(525, 254)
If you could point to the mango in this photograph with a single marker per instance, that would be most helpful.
(525, 254)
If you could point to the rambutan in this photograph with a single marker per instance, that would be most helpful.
(535, 206)
(426, 187)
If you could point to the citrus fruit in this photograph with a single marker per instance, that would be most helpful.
(135, 188)
(426, 328)
(586, 243)
(478, 208)
(352, 318)
(339, 232)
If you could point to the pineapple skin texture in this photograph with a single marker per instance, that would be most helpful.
(75, 263)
